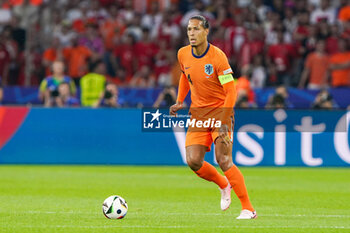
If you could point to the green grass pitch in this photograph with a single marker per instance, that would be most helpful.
(170, 199)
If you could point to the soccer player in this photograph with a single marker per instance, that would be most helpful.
(207, 73)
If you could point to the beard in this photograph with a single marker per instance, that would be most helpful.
(193, 46)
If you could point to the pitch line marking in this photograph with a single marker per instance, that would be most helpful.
(197, 214)
(166, 227)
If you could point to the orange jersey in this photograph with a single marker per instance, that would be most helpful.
(202, 73)
(340, 77)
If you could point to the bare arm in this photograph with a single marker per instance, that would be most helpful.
(159, 100)
(304, 77)
(1, 94)
(341, 66)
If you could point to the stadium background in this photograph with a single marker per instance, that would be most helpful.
(284, 125)
(133, 44)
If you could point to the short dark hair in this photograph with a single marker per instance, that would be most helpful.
(201, 18)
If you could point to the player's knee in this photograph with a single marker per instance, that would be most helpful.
(224, 161)
(193, 163)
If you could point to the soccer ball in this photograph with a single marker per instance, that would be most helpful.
(114, 207)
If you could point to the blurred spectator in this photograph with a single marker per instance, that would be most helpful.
(75, 9)
(261, 9)
(96, 12)
(48, 89)
(93, 41)
(51, 22)
(323, 100)
(145, 50)
(235, 37)
(77, 59)
(5, 13)
(290, 21)
(280, 59)
(258, 79)
(134, 27)
(64, 34)
(81, 10)
(112, 29)
(18, 33)
(127, 13)
(143, 78)
(51, 54)
(340, 66)
(279, 99)
(12, 48)
(315, 69)
(109, 97)
(93, 85)
(166, 98)
(199, 9)
(1, 91)
(242, 101)
(302, 30)
(332, 40)
(276, 39)
(125, 54)
(276, 27)
(163, 64)
(243, 84)
(168, 30)
(5, 60)
(121, 79)
(277, 102)
(251, 47)
(152, 19)
(344, 13)
(324, 12)
(346, 31)
(65, 98)
(28, 13)
(218, 37)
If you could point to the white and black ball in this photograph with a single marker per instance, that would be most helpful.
(115, 207)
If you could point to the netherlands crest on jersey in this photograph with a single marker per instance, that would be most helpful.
(208, 69)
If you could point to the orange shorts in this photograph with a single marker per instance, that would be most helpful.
(206, 137)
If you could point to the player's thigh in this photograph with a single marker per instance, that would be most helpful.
(222, 148)
(196, 152)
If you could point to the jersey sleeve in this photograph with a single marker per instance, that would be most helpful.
(224, 70)
(184, 86)
(223, 67)
(43, 86)
(72, 86)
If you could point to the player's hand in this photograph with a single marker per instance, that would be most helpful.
(223, 133)
(174, 108)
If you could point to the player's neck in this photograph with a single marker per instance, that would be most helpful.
(200, 49)
(58, 76)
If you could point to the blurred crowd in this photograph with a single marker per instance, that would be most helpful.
(64, 44)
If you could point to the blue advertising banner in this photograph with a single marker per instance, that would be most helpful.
(116, 136)
(131, 97)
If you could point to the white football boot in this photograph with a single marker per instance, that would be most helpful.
(225, 197)
(247, 214)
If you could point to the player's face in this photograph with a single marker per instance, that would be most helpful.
(196, 33)
(63, 89)
(58, 67)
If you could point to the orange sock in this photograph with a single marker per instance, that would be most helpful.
(209, 173)
(236, 180)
